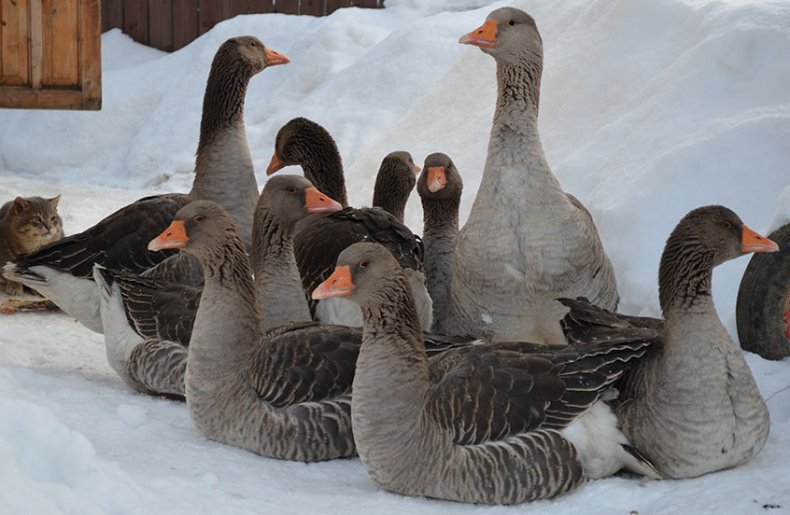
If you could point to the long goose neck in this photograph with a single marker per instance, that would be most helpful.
(392, 199)
(392, 368)
(324, 169)
(440, 233)
(226, 325)
(684, 275)
(393, 315)
(223, 101)
(281, 298)
(518, 86)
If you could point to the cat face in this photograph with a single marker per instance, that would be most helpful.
(35, 221)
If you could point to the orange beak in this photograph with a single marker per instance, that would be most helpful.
(174, 237)
(317, 202)
(274, 164)
(483, 36)
(274, 58)
(436, 178)
(754, 242)
(416, 169)
(338, 284)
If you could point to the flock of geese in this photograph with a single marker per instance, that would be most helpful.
(490, 365)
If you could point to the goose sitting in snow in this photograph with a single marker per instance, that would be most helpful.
(320, 239)
(525, 242)
(150, 353)
(62, 271)
(691, 404)
(286, 394)
(494, 424)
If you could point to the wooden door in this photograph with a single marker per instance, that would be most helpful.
(50, 54)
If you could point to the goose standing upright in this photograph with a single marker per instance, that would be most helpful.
(62, 271)
(320, 239)
(525, 242)
(494, 424)
(440, 187)
(691, 403)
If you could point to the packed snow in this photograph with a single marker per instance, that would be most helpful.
(648, 109)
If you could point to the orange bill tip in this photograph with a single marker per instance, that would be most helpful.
(752, 241)
(274, 58)
(174, 237)
(483, 36)
(338, 284)
(317, 202)
(436, 178)
(274, 164)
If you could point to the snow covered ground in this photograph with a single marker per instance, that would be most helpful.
(649, 109)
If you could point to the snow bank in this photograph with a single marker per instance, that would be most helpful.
(648, 110)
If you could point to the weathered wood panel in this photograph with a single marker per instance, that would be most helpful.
(135, 20)
(172, 24)
(50, 54)
(185, 22)
(60, 40)
(160, 25)
(14, 48)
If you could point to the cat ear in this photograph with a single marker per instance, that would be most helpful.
(20, 204)
(53, 202)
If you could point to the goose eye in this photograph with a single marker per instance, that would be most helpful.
(253, 44)
(198, 218)
(363, 263)
(511, 22)
(727, 225)
(291, 189)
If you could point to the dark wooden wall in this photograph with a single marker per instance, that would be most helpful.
(172, 24)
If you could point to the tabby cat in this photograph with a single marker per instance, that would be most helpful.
(26, 224)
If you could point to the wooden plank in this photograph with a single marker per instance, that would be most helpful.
(36, 45)
(160, 24)
(90, 54)
(14, 48)
(209, 14)
(20, 97)
(185, 22)
(60, 42)
(311, 7)
(111, 14)
(135, 20)
(233, 8)
(334, 5)
(286, 6)
(261, 6)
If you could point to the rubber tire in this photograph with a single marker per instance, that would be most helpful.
(764, 301)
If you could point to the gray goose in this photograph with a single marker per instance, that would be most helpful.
(148, 322)
(284, 394)
(494, 424)
(440, 187)
(62, 271)
(525, 242)
(691, 404)
(320, 239)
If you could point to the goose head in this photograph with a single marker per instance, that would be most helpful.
(395, 181)
(703, 239)
(439, 179)
(250, 51)
(199, 227)
(365, 273)
(509, 35)
(291, 198)
(298, 141)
